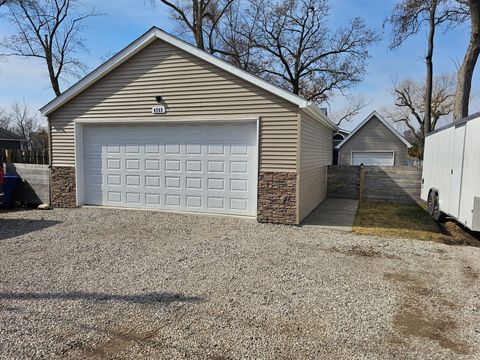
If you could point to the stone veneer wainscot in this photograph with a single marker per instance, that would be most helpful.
(277, 202)
(63, 187)
(276, 194)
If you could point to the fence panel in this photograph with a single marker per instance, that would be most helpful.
(395, 184)
(343, 181)
(38, 157)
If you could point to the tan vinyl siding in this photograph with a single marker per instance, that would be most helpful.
(316, 150)
(374, 136)
(190, 87)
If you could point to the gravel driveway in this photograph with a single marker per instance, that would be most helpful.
(97, 283)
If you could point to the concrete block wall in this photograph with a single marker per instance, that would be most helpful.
(35, 185)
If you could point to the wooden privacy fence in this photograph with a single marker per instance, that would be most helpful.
(38, 157)
(375, 183)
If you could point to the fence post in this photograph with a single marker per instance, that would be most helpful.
(361, 183)
(7, 156)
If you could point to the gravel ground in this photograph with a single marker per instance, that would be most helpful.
(98, 283)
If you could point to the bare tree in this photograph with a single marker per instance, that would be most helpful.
(299, 52)
(354, 105)
(4, 120)
(5, 2)
(235, 38)
(49, 30)
(410, 105)
(201, 18)
(22, 121)
(408, 18)
(465, 73)
(39, 140)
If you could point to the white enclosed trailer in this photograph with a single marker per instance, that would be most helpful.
(451, 172)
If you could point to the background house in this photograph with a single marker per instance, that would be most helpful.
(338, 137)
(374, 142)
(10, 141)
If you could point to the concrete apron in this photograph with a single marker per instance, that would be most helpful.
(333, 214)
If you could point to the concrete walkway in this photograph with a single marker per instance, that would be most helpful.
(333, 214)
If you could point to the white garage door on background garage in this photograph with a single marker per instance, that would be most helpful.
(378, 158)
(198, 168)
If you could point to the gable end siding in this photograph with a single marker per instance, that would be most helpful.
(190, 87)
(373, 136)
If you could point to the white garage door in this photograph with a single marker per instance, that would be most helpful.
(384, 158)
(200, 168)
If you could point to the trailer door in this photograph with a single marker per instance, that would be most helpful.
(456, 172)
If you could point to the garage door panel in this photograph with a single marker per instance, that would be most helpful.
(112, 179)
(113, 163)
(194, 149)
(153, 182)
(153, 200)
(202, 168)
(238, 204)
(239, 185)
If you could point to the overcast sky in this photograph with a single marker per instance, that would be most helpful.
(128, 19)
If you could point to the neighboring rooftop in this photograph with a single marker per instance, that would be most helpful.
(8, 135)
(376, 115)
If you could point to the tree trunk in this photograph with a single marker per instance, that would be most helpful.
(465, 74)
(51, 71)
(429, 62)
(55, 84)
(295, 85)
(198, 24)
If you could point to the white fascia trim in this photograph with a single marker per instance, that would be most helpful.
(99, 72)
(384, 122)
(298, 100)
(147, 39)
(312, 110)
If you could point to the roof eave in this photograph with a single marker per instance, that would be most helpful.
(132, 49)
(316, 113)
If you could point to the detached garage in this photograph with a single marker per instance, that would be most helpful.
(164, 125)
(374, 142)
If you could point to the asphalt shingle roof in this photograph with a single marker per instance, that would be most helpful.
(8, 135)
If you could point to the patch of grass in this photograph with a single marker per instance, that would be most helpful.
(399, 220)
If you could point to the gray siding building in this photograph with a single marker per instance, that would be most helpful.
(9, 140)
(374, 142)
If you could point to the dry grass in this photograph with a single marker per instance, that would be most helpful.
(402, 220)
(409, 221)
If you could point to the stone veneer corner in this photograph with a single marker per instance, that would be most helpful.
(63, 187)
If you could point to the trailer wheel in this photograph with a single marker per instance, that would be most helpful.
(437, 214)
(431, 198)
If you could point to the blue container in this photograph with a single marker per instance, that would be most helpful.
(10, 183)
